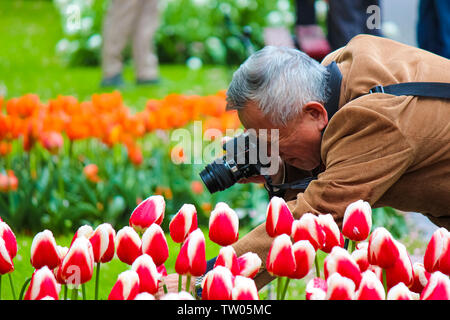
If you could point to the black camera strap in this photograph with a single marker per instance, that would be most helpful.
(439, 90)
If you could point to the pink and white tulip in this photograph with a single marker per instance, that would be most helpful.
(279, 218)
(437, 288)
(128, 245)
(382, 250)
(400, 292)
(183, 223)
(308, 228)
(43, 284)
(149, 211)
(10, 239)
(360, 257)
(217, 284)
(316, 289)
(281, 260)
(223, 225)
(44, 251)
(249, 264)
(402, 270)
(333, 236)
(149, 276)
(357, 221)
(102, 241)
(83, 231)
(126, 286)
(340, 288)
(192, 257)
(6, 263)
(421, 277)
(78, 264)
(370, 287)
(62, 251)
(304, 254)
(154, 244)
(227, 258)
(244, 289)
(434, 250)
(340, 261)
(144, 296)
(182, 295)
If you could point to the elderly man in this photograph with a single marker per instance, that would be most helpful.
(387, 149)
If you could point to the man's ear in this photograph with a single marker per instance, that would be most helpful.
(316, 112)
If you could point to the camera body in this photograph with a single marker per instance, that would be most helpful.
(241, 160)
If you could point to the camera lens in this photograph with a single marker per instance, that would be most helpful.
(217, 176)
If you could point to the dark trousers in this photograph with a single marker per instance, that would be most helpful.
(346, 19)
(433, 28)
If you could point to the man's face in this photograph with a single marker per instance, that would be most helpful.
(299, 140)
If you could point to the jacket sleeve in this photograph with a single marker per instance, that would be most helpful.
(364, 154)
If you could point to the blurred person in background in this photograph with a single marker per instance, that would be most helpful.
(433, 28)
(135, 21)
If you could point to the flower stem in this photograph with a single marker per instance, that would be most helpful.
(74, 293)
(352, 246)
(83, 290)
(12, 286)
(24, 287)
(188, 282)
(97, 277)
(65, 292)
(286, 284)
(180, 279)
(278, 288)
(0, 287)
(385, 281)
(316, 263)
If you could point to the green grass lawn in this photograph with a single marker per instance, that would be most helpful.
(29, 64)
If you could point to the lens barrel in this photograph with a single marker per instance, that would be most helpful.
(217, 176)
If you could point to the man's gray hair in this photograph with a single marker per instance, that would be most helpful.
(280, 81)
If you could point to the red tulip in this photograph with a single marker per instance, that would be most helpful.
(316, 289)
(126, 286)
(162, 270)
(402, 270)
(6, 263)
(360, 257)
(421, 277)
(83, 231)
(10, 239)
(308, 228)
(149, 276)
(437, 288)
(249, 264)
(154, 244)
(227, 258)
(279, 218)
(78, 264)
(333, 236)
(399, 292)
(304, 254)
(444, 259)
(370, 288)
(128, 245)
(357, 221)
(223, 225)
(244, 289)
(52, 141)
(434, 250)
(62, 251)
(183, 223)
(191, 260)
(382, 250)
(149, 211)
(43, 284)
(340, 288)
(102, 240)
(44, 251)
(340, 261)
(218, 284)
(281, 260)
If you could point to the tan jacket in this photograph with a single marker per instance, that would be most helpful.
(388, 150)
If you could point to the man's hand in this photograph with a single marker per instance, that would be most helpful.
(171, 282)
(276, 178)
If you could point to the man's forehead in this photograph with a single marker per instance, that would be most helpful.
(253, 118)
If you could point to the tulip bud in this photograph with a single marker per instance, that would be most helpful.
(340, 261)
(434, 250)
(154, 244)
(192, 260)
(280, 260)
(249, 264)
(43, 284)
(126, 286)
(148, 274)
(316, 289)
(182, 295)
(382, 250)
(357, 221)
(444, 259)
(437, 288)
(333, 236)
(144, 296)
(421, 277)
(227, 258)
(52, 141)
(10, 239)
(102, 241)
(149, 211)
(308, 228)
(62, 251)
(279, 218)
(223, 225)
(78, 264)
(244, 289)
(44, 251)
(402, 270)
(183, 223)
(340, 288)
(6, 263)
(217, 284)
(304, 254)
(83, 231)
(360, 257)
(370, 288)
(399, 292)
(128, 245)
